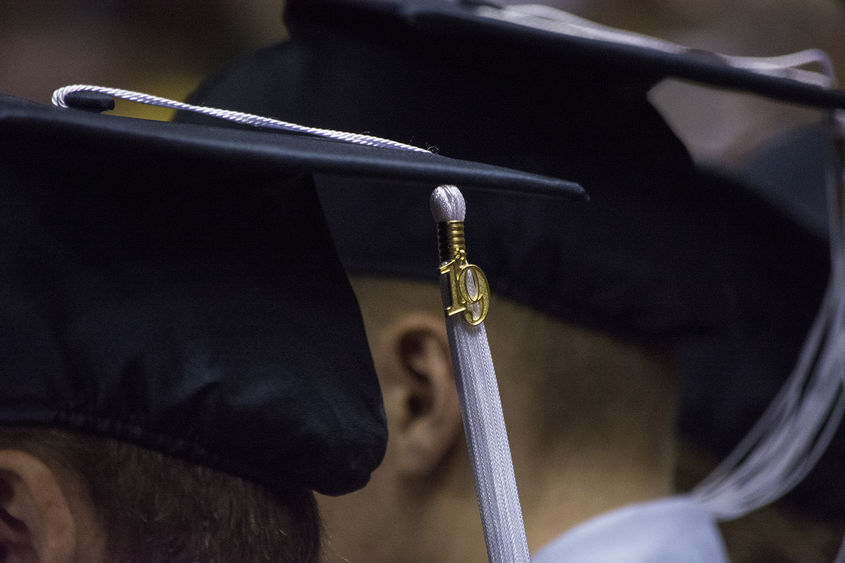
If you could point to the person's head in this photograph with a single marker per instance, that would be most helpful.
(180, 367)
(581, 406)
(663, 254)
(182, 359)
(66, 496)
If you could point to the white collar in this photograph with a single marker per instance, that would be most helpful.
(664, 531)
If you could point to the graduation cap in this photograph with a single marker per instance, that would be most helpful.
(175, 286)
(547, 32)
(484, 89)
(664, 252)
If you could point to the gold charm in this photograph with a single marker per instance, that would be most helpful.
(468, 286)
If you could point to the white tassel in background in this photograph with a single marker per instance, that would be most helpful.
(797, 427)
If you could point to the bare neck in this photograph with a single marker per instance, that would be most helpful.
(557, 492)
(563, 491)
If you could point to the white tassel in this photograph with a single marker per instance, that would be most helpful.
(60, 95)
(465, 296)
(797, 427)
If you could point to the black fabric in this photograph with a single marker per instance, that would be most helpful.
(101, 135)
(428, 21)
(176, 286)
(663, 253)
(648, 257)
(791, 171)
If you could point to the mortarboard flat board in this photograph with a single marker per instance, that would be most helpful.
(535, 30)
(175, 286)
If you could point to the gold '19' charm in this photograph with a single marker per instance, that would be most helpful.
(469, 290)
(468, 286)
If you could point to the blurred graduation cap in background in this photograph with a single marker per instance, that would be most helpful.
(175, 286)
(665, 252)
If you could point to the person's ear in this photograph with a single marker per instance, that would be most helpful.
(35, 518)
(421, 393)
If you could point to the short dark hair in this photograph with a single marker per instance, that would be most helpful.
(155, 508)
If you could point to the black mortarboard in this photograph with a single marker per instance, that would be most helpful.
(537, 33)
(664, 250)
(175, 286)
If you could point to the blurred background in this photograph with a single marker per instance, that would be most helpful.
(162, 47)
(166, 47)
